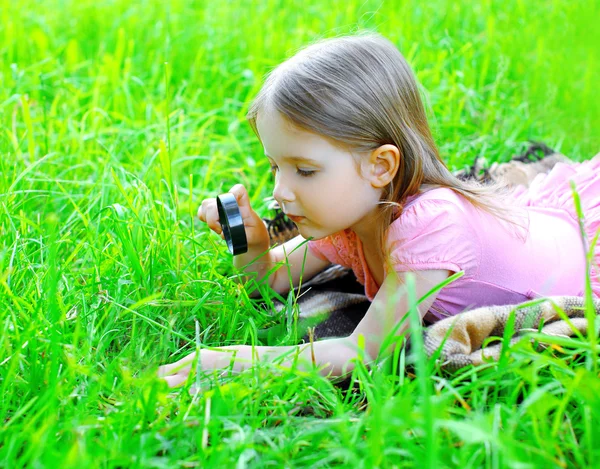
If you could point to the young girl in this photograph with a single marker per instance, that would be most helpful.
(357, 170)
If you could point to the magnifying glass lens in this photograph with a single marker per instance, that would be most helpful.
(232, 224)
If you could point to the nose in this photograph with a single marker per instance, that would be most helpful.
(282, 192)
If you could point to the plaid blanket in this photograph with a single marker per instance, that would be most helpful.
(460, 338)
(332, 303)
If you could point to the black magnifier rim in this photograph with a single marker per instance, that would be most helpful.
(232, 223)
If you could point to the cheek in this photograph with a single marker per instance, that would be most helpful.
(327, 192)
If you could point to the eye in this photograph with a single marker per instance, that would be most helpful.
(304, 173)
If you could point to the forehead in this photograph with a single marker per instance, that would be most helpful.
(281, 139)
(270, 122)
(295, 159)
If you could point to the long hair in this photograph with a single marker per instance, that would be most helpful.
(360, 93)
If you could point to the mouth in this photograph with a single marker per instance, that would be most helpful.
(294, 218)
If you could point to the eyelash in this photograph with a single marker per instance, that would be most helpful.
(304, 174)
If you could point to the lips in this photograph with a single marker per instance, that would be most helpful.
(294, 218)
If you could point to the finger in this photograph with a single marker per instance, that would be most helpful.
(214, 224)
(163, 370)
(250, 218)
(176, 380)
(243, 200)
(203, 209)
(207, 206)
(209, 214)
(170, 369)
(241, 194)
(178, 366)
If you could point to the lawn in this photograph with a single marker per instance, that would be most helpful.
(118, 118)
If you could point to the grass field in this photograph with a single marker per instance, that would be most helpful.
(117, 118)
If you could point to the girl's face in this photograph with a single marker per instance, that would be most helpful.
(316, 183)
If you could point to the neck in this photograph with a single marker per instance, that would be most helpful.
(366, 230)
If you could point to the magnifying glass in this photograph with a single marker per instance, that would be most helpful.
(232, 223)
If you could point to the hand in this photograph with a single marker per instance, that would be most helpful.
(176, 374)
(256, 231)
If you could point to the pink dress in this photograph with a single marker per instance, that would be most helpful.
(440, 229)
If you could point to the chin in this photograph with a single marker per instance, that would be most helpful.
(314, 233)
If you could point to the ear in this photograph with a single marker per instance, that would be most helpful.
(383, 165)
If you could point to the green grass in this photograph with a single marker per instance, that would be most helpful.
(117, 119)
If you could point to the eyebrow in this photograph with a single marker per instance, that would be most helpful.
(296, 159)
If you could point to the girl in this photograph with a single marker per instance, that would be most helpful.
(357, 170)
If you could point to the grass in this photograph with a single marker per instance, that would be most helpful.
(117, 119)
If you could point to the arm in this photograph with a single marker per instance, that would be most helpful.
(293, 255)
(390, 308)
(332, 356)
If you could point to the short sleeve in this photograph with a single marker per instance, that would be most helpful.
(316, 248)
(332, 248)
(339, 248)
(435, 234)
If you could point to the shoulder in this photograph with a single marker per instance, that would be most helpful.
(432, 210)
(436, 230)
(439, 195)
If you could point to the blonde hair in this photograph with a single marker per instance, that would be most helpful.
(360, 93)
